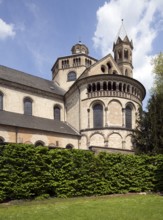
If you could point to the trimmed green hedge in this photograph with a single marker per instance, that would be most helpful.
(28, 172)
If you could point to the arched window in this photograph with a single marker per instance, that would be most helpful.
(28, 106)
(103, 68)
(128, 117)
(125, 53)
(120, 87)
(71, 76)
(39, 143)
(126, 72)
(114, 86)
(1, 101)
(104, 86)
(109, 86)
(89, 88)
(69, 146)
(119, 54)
(98, 115)
(98, 86)
(57, 113)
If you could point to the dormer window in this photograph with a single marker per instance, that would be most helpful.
(71, 76)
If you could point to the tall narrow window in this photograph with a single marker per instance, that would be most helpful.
(98, 115)
(71, 76)
(28, 106)
(1, 101)
(128, 117)
(57, 113)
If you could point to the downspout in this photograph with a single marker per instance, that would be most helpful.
(16, 135)
(79, 114)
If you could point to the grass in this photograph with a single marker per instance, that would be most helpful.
(121, 207)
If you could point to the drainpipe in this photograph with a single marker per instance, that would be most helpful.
(16, 135)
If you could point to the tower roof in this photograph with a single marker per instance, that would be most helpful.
(122, 36)
(80, 48)
(122, 32)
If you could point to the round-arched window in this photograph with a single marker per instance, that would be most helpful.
(39, 143)
(128, 114)
(98, 115)
(71, 76)
(57, 113)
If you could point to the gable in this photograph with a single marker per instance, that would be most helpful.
(106, 65)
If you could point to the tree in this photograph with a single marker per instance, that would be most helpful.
(148, 136)
(158, 71)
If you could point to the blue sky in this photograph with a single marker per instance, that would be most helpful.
(33, 33)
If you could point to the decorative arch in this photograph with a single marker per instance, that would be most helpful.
(115, 100)
(114, 113)
(28, 105)
(71, 76)
(39, 143)
(95, 102)
(115, 140)
(97, 139)
(128, 142)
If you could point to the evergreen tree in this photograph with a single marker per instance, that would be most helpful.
(148, 136)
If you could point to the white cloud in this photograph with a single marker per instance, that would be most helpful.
(6, 30)
(143, 19)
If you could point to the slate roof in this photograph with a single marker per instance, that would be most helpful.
(36, 123)
(26, 79)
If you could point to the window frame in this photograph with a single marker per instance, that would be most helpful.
(71, 76)
(28, 108)
(97, 115)
(57, 115)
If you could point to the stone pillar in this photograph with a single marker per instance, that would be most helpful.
(123, 144)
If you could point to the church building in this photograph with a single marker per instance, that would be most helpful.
(89, 104)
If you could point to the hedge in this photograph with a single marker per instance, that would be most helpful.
(28, 172)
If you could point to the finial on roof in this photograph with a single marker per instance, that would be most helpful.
(122, 31)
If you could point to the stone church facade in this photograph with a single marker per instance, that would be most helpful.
(88, 104)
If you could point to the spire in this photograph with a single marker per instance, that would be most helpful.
(122, 32)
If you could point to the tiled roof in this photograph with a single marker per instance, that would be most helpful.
(25, 79)
(37, 123)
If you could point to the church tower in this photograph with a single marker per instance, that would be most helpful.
(122, 49)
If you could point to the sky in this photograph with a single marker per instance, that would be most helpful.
(34, 33)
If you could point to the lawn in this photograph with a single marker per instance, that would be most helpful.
(120, 207)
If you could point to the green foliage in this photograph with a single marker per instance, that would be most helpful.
(158, 71)
(28, 172)
(148, 136)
